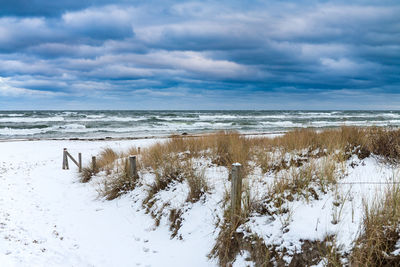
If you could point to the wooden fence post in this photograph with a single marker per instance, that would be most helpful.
(94, 164)
(65, 160)
(132, 168)
(138, 150)
(236, 191)
(80, 162)
(63, 164)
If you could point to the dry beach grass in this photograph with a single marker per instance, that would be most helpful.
(306, 164)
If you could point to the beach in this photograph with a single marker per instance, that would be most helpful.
(48, 217)
(199, 133)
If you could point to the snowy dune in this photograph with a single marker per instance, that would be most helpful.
(48, 218)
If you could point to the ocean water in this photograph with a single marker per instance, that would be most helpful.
(133, 124)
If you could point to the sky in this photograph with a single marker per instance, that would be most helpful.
(86, 54)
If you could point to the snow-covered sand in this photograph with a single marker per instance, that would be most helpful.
(48, 218)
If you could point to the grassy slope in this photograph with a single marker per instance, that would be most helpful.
(301, 170)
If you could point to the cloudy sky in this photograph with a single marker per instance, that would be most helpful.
(86, 54)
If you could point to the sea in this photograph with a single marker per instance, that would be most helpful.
(98, 124)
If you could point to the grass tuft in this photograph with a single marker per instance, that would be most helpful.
(380, 232)
(119, 183)
(196, 181)
(305, 163)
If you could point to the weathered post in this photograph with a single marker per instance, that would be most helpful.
(67, 155)
(63, 164)
(65, 160)
(94, 164)
(138, 150)
(236, 191)
(132, 168)
(80, 162)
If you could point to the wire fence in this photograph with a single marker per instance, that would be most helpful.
(368, 183)
(344, 182)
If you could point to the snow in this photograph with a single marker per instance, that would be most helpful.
(48, 218)
(397, 251)
(339, 212)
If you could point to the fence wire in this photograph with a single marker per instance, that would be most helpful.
(343, 183)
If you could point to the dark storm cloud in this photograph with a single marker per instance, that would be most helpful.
(87, 27)
(45, 7)
(135, 49)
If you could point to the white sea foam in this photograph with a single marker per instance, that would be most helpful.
(21, 132)
(95, 116)
(29, 120)
(12, 115)
(132, 123)
(218, 117)
(72, 126)
(282, 124)
(106, 119)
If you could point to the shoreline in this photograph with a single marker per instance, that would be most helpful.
(134, 138)
(332, 193)
(176, 135)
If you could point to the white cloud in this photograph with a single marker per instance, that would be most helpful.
(342, 64)
(108, 17)
(8, 90)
